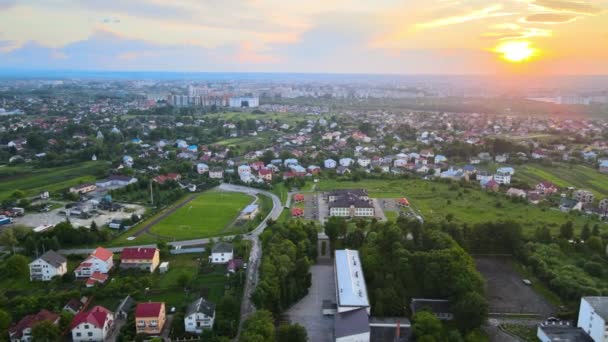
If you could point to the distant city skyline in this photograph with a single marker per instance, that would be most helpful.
(515, 37)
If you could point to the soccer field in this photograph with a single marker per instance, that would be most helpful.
(207, 215)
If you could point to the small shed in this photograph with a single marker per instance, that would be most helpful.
(164, 267)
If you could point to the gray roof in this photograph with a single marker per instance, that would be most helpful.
(563, 333)
(599, 305)
(126, 304)
(222, 247)
(351, 323)
(348, 201)
(202, 306)
(53, 258)
(435, 305)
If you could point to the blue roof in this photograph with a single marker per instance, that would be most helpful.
(350, 282)
(604, 163)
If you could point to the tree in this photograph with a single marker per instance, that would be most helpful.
(45, 331)
(426, 325)
(184, 280)
(8, 239)
(291, 333)
(585, 232)
(5, 321)
(258, 327)
(542, 234)
(470, 311)
(566, 231)
(596, 230)
(595, 244)
(17, 266)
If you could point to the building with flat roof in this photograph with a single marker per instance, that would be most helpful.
(351, 292)
(561, 333)
(592, 317)
(352, 326)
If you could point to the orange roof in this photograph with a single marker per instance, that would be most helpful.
(102, 253)
(297, 211)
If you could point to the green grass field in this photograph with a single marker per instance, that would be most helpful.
(435, 200)
(33, 181)
(207, 215)
(565, 175)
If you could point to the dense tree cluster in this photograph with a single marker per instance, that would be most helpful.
(289, 250)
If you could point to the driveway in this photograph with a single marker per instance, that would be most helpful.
(308, 311)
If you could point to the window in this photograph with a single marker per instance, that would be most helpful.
(90, 333)
(86, 326)
(78, 334)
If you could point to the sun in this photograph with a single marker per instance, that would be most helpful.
(516, 51)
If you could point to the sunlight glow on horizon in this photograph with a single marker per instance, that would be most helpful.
(516, 51)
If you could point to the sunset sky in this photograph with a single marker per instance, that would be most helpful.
(337, 36)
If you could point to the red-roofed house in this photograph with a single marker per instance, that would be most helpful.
(93, 325)
(234, 265)
(265, 174)
(403, 202)
(491, 185)
(22, 331)
(96, 277)
(298, 198)
(146, 259)
(101, 260)
(546, 188)
(149, 318)
(258, 165)
(297, 212)
(169, 176)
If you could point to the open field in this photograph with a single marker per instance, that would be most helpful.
(288, 118)
(435, 200)
(207, 215)
(565, 175)
(33, 181)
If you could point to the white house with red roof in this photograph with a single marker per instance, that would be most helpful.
(93, 325)
(101, 261)
(265, 174)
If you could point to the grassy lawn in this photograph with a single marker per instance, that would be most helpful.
(33, 181)
(207, 215)
(526, 333)
(565, 175)
(391, 215)
(280, 190)
(435, 200)
(537, 285)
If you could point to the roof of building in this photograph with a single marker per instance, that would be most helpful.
(350, 323)
(385, 329)
(599, 305)
(102, 253)
(30, 320)
(348, 201)
(138, 253)
(73, 304)
(201, 306)
(250, 209)
(151, 309)
(564, 333)
(435, 305)
(97, 316)
(222, 247)
(52, 258)
(126, 304)
(349, 279)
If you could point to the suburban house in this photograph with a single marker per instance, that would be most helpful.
(22, 331)
(47, 266)
(146, 259)
(93, 325)
(83, 188)
(202, 168)
(584, 196)
(99, 261)
(603, 205)
(221, 253)
(546, 188)
(603, 166)
(330, 164)
(439, 307)
(265, 174)
(502, 177)
(176, 177)
(150, 318)
(74, 305)
(514, 192)
(199, 316)
(216, 173)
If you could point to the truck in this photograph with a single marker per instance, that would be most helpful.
(18, 211)
(5, 220)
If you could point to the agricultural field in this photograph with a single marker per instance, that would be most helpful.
(565, 175)
(32, 181)
(209, 214)
(436, 200)
(288, 118)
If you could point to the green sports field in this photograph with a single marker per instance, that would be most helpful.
(207, 215)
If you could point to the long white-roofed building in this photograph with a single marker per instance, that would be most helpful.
(351, 292)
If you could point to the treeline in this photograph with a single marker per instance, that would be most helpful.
(289, 250)
(260, 327)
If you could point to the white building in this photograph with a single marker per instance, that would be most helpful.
(244, 102)
(351, 293)
(346, 162)
(244, 169)
(101, 260)
(592, 316)
(216, 173)
(330, 164)
(221, 253)
(364, 162)
(202, 168)
(502, 178)
(200, 315)
(94, 325)
(47, 266)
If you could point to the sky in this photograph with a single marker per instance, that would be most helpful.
(565, 37)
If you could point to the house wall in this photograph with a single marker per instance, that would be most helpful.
(591, 322)
(354, 338)
(96, 334)
(45, 270)
(221, 258)
(144, 324)
(204, 322)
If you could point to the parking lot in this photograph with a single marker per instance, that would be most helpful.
(505, 290)
(308, 311)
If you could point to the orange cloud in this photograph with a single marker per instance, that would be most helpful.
(248, 55)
